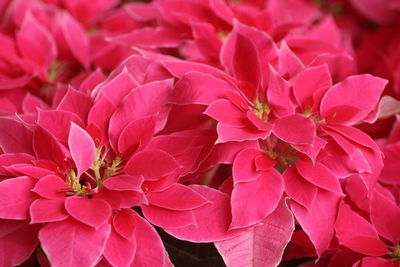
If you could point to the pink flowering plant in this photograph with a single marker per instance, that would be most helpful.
(199, 133)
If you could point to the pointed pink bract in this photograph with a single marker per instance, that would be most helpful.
(71, 243)
(143, 162)
(82, 147)
(296, 129)
(124, 223)
(92, 212)
(352, 99)
(265, 191)
(261, 245)
(47, 210)
(354, 232)
(119, 251)
(177, 197)
(15, 197)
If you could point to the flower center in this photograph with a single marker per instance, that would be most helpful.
(396, 253)
(283, 153)
(94, 177)
(74, 183)
(261, 110)
(102, 169)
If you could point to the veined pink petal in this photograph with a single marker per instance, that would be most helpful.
(318, 220)
(16, 197)
(137, 133)
(143, 162)
(179, 68)
(82, 147)
(209, 228)
(173, 144)
(244, 167)
(358, 191)
(360, 159)
(124, 223)
(355, 135)
(227, 152)
(124, 182)
(206, 39)
(258, 123)
(225, 112)
(91, 81)
(10, 159)
(81, 245)
(306, 84)
(57, 121)
(356, 233)
(99, 117)
(298, 188)
(243, 61)
(290, 64)
(195, 88)
(177, 197)
(76, 102)
(32, 103)
(35, 43)
(47, 147)
(246, 53)
(50, 187)
(150, 250)
(76, 38)
(278, 94)
(318, 175)
(388, 106)
(48, 210)
(119, 251)
(385, 215)
(167, 218)
(121, 199)
(116, 87)
(296, 129)
(265, 191)
(264, 162)
(360, 93)
(312, 151)
(92, 212)
(145, 100)
(261, 245)
(15, 137)
(227, 133)
(366, 245)
(28, 170)
(17, 246)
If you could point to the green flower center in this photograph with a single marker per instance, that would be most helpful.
(261, 110)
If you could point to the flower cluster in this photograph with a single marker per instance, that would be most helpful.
(268, 127)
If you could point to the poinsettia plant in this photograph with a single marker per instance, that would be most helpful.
(199, 133)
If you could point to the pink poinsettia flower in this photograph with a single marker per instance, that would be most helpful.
(102, 166)
(77, 186)
(298, 120)
(181, 214)
(71, 203)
